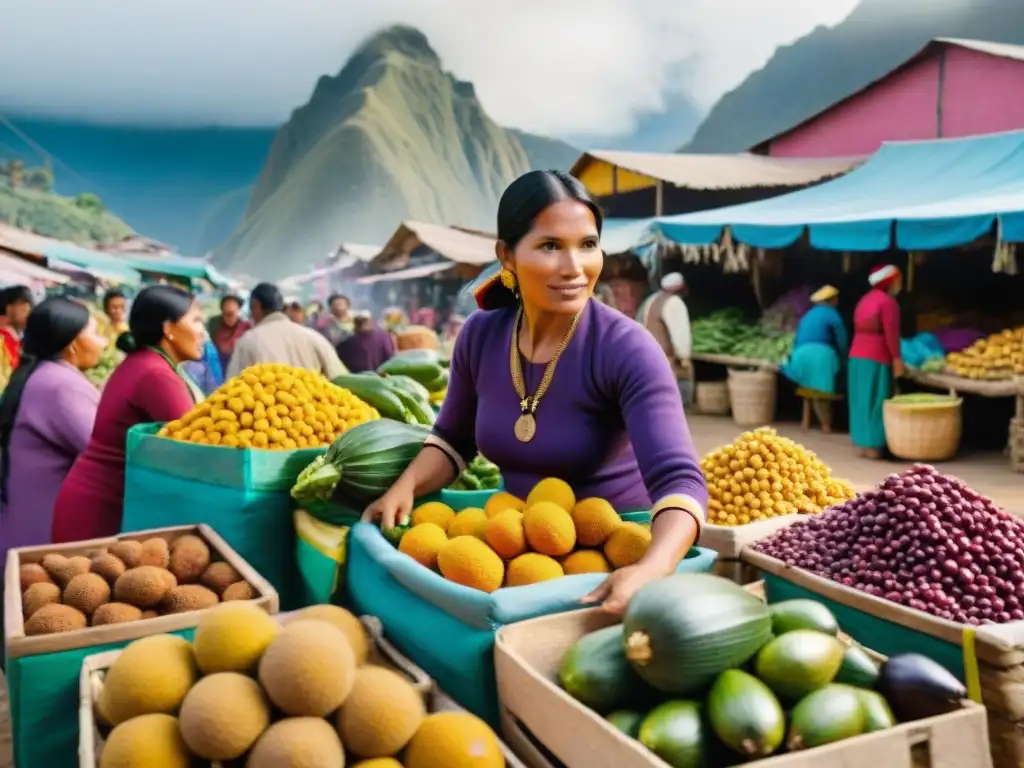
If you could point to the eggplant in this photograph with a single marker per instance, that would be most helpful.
(917, 687)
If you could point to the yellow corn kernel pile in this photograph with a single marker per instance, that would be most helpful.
(272, 406)
(762, 475)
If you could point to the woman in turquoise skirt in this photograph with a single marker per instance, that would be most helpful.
(874, 359)
(820, 345)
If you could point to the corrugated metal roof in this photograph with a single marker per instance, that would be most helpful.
(22, 241)
(1000, 50)
(453, 244)
(424, 270)
(640, 170)
(12, 264)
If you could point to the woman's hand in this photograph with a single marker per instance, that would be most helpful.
(618, 589)
(898, 368)
(393, 508)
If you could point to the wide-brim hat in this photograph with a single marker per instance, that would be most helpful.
(824, 293)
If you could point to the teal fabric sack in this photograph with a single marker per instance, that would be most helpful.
(242, 494)
(43, 692)
(460, 500)
(449, 629)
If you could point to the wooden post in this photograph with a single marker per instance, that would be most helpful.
(659, 197)
(910, 271)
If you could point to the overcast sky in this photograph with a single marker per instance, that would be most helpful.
(551, 66)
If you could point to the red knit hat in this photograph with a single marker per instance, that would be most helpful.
(883, 277)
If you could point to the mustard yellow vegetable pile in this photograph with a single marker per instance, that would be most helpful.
(762, 475)
(514, 543)
(1000, 356)
(275, 407)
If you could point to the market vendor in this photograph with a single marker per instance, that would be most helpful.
(874, 359)
(665, 315)
(820, 345)
(165, 330)
(547, 382)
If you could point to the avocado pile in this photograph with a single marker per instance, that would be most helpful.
(706, 675)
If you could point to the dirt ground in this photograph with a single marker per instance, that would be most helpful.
(988, 473)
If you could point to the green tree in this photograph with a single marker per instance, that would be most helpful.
(89, 202)
(39, 178)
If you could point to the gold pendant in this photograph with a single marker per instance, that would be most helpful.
(526, 428)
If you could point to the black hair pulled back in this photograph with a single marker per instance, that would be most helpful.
(152, 308)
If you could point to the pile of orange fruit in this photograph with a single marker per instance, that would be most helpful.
(512, 542)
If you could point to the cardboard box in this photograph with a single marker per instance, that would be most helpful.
(92, 734)
(540, 717)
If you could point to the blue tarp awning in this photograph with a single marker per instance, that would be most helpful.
(923, 195)
(102, 265)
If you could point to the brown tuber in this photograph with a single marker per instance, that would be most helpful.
(128, 552)
(189, 558)
(240, 590)
(54, 618)
(38, 595)
(219, 576)
(87, 592)
(33, 573)
(108, 566)
(155, 552)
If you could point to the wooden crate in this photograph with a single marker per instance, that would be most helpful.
(18, 644)
(550, 729)
(94, 669)
(992, 654)
(730, 540)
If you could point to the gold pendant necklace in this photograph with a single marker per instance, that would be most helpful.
(526, 425)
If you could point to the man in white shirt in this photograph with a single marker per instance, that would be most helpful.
(664, 314)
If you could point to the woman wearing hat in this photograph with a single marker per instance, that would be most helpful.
(820, 345)
(547, 382)
(874, 359)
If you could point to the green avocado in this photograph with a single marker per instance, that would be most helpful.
(596, 673)
(745, 714)
(858, 669)
(877, 714)
(828, 715)
(802, 614)
(675, 732)
(798, 662)
(626, 720)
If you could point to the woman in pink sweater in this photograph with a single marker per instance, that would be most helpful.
(874, 359)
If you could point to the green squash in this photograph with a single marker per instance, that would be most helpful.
(828, 715)
(675, 732)
(419, 364)
(745, 714)
(877, 713)
(364, 462)
(683, 631)
(858, 669)
(802, 614)
(626, 720)
(374, 392)
(409, 385)
(799, 662)
(595, 672)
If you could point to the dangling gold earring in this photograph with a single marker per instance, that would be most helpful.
(508, 279)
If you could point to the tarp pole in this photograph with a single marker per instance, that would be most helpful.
(659, 198)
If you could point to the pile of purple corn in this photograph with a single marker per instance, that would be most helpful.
(921, 539)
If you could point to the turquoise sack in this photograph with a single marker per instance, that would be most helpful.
(243, 494)
(448, 629)
(43, 691)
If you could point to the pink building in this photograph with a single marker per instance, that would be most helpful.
(951, 88)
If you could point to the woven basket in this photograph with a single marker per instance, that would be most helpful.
(712, 397)
(416, 337)
(923, 431)
(752, 396)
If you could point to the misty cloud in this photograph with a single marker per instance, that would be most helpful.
(551, 66)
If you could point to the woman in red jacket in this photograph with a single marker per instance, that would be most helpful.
(166, 329)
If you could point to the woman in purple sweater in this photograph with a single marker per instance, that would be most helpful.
(46, 417)
(546, 382)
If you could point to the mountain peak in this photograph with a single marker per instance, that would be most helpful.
(398, 38)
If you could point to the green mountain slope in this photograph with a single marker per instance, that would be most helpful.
(81, 219)
(827, 65)
(390, 137)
